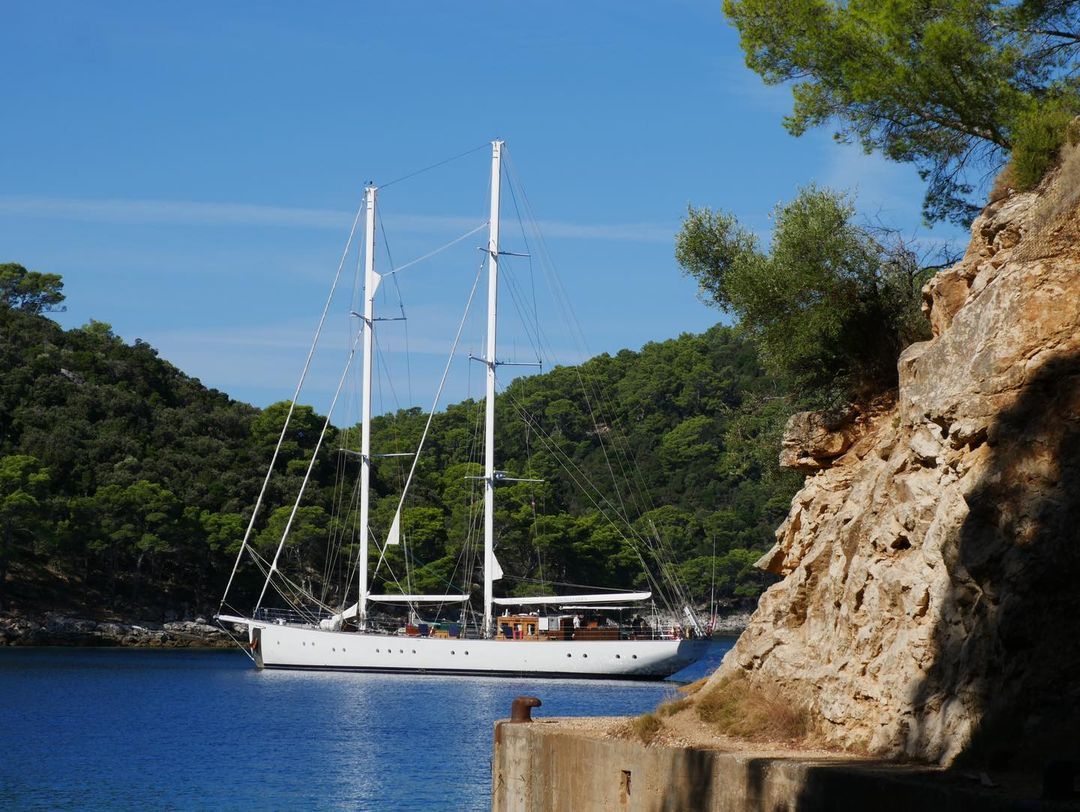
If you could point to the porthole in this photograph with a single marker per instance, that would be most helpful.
(634, 656)
(377, 650)
(586, 656)
(414, 651)
(332, 648)
(452, 651)
(466, 654)
(303, 643)
(568, 654)
(618, 656)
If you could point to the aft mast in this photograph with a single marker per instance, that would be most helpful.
(490, 361)
(371, 283)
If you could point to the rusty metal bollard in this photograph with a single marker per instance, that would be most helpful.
(521, 709)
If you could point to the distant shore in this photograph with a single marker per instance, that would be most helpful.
(57, 629)
(54, 629)
(731, 624)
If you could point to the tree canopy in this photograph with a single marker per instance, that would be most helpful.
(29, 291)
(945, 84)
(830, 304)
(134, 484)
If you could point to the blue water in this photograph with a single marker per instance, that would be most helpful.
(137, 729)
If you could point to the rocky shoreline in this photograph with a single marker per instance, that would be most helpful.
(60, 630)
(53, 629)
(731, 624)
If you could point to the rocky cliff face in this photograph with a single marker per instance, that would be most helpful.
(931, 595)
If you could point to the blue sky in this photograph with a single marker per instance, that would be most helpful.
(191, 169)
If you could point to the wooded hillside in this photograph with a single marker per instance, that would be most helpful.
(126, 485)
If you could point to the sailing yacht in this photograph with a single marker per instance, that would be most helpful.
(544, 636)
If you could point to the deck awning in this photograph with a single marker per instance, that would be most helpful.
(418, 598)
(548, 600)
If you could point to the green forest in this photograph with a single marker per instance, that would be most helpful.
(126, 485)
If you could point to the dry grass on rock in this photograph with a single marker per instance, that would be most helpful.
(1004, 184)
(644, 728)
(693, 687)
(673, 707)
(737, 708)
(1053, 225)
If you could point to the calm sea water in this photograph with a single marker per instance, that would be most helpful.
(138, 729)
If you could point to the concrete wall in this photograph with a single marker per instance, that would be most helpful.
(547, 766)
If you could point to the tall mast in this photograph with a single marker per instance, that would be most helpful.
(371, 283)
(490, 359)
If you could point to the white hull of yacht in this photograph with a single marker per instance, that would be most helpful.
(301, 647)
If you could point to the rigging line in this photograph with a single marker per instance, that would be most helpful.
(561, 297)
(311, 464)
(678, 584)
(440, 249)
(635, 540)
(516, 295)
(578, 476)
(468, 556)
(408, 352)
(464, 558)
(385, 241)
(292, 405)
(296, 590)
(401, 309)
(442, 384)
(613, 589)
(333, 538)
(390, 262)
(524, 239)
(384, 373)
(383, 559)
(603, 445)
(532, 497)
(642, 539)
(563, 458)
(346, 518)
(512, 181)
(555, 286)
(341, 482)
(629, 470)
(436, 165)
(459, 563)
(340, 514)
(244, 648)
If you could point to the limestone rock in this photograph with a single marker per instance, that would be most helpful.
(812, 440)
(60, 630)
(931, 560)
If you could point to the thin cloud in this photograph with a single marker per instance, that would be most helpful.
(179, 212)
(170, 211)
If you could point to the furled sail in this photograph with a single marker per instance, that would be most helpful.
(395, 529)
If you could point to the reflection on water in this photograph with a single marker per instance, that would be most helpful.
(87, 729)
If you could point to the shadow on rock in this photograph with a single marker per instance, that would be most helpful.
(1008, 638)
